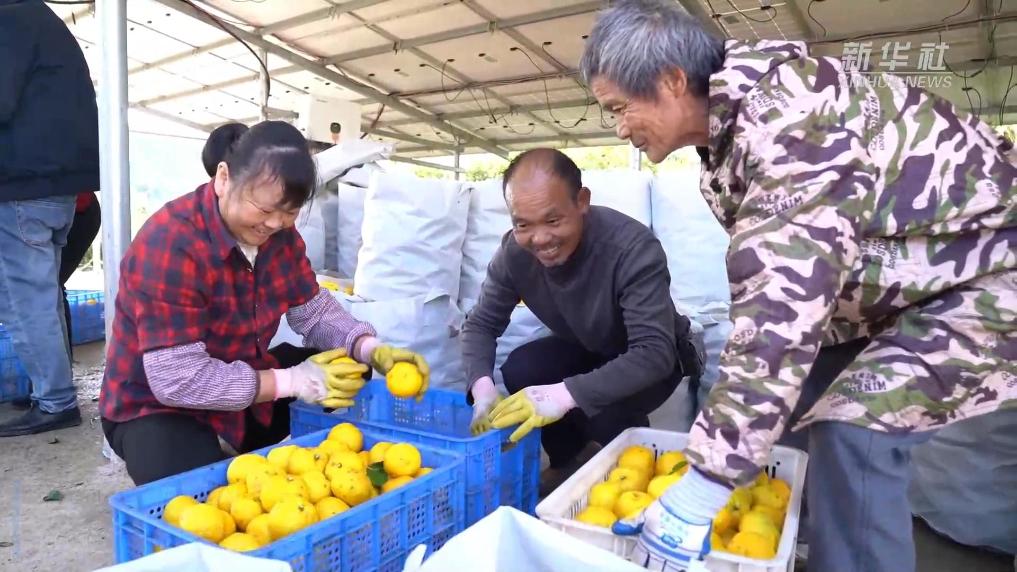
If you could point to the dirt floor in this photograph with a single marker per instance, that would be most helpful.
(75, 534)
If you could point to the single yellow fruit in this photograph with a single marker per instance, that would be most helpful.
(258, 528)
(716, 542)
(725, 521)
(176, 505)
(597, 516)
(402, 460)
(392, 484)
(277, 488)
(213, 497)
(240, 542)
(637, 457)
(203, 520)
(751, 545)
(782, 490)
(661, 483)
(604, 495)
(244, 510)
(330, 448)
(240, 465)
(348, 435)
(310, 513)
(231, 494)
(377, 454)
(404, 380)
(776, 515)
(351, 487)
(629, 503)
(280, 456)
(761, 524)
(286, 517)
(318, 487)
(329, 507)
(228, 525)
(423, 471)
(667, 462)
(765, 495)
(628, 478)
(343, 461)
(740, 502)
(257, 477)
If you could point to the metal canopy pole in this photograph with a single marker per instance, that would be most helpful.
(114, 165)
(263, 80)
(635, 159)
(455, 162)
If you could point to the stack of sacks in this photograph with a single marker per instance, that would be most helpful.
(624, 190)
(408, 268)
(488, 222)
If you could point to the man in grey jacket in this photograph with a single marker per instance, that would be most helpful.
(598, 280)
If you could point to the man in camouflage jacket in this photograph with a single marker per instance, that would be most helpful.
(868, 218)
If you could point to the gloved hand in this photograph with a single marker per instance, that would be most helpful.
(383, 357)
(311, 379)
(485, 397)
(533, 407)
(674, 531)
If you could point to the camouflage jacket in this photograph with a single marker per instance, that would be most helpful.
(851, 201)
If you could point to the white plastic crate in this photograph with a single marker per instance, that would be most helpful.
(561, 506)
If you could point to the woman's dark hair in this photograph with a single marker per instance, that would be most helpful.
(551, 160)
(276, 151)
(219, 144)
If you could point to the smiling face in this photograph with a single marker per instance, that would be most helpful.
(546, 220)
(658, 127)
(254, 209)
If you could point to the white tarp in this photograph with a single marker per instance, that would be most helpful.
(198, 557)
(336, 160)
(329, 200)
(487, 222)
(510, 540)
(624, 190)
(413, 234)
(695, 243)
(311, 225)
(349, 223)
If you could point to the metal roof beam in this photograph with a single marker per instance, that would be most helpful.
(497, 111)
(429, 165)
(411, 139)
(270, 29)
(171, 117)
(336, 78)
(485, 28)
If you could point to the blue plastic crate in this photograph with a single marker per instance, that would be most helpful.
(375, 536)
(88, 315)
(14, 381)
(496, 473)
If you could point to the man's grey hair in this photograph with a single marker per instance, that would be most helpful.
(635, 41)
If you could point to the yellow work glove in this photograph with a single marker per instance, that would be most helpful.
(532, 407)
(343, 378)
(385, 356)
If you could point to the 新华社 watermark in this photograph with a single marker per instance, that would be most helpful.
(922, 65)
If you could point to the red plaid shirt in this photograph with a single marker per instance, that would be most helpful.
(184, 280)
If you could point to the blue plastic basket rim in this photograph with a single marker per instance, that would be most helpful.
(116, 502)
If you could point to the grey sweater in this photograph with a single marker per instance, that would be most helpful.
(612, 297)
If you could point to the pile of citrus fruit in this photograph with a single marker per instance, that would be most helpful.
(293, 487)
(751, 523)
(631, 486)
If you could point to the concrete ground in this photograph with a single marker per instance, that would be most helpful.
(74, 534)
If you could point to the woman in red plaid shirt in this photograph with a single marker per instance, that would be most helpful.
(202, 289)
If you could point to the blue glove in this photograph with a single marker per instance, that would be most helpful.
(674, 531)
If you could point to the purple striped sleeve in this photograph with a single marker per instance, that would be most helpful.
(186, 376)
(325, 325)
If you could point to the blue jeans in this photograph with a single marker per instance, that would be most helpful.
(32, 233)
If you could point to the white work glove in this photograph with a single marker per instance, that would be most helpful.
(674, 531)
(309, 380)
(485, 397)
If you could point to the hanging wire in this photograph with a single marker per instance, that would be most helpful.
(818, 23)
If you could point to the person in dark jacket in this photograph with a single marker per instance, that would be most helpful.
(49, 153)
(598, 280)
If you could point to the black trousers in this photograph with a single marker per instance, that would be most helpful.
(82, 233)
(166, 444)
(550, 360)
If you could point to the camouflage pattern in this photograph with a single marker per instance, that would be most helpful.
(856, 208)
